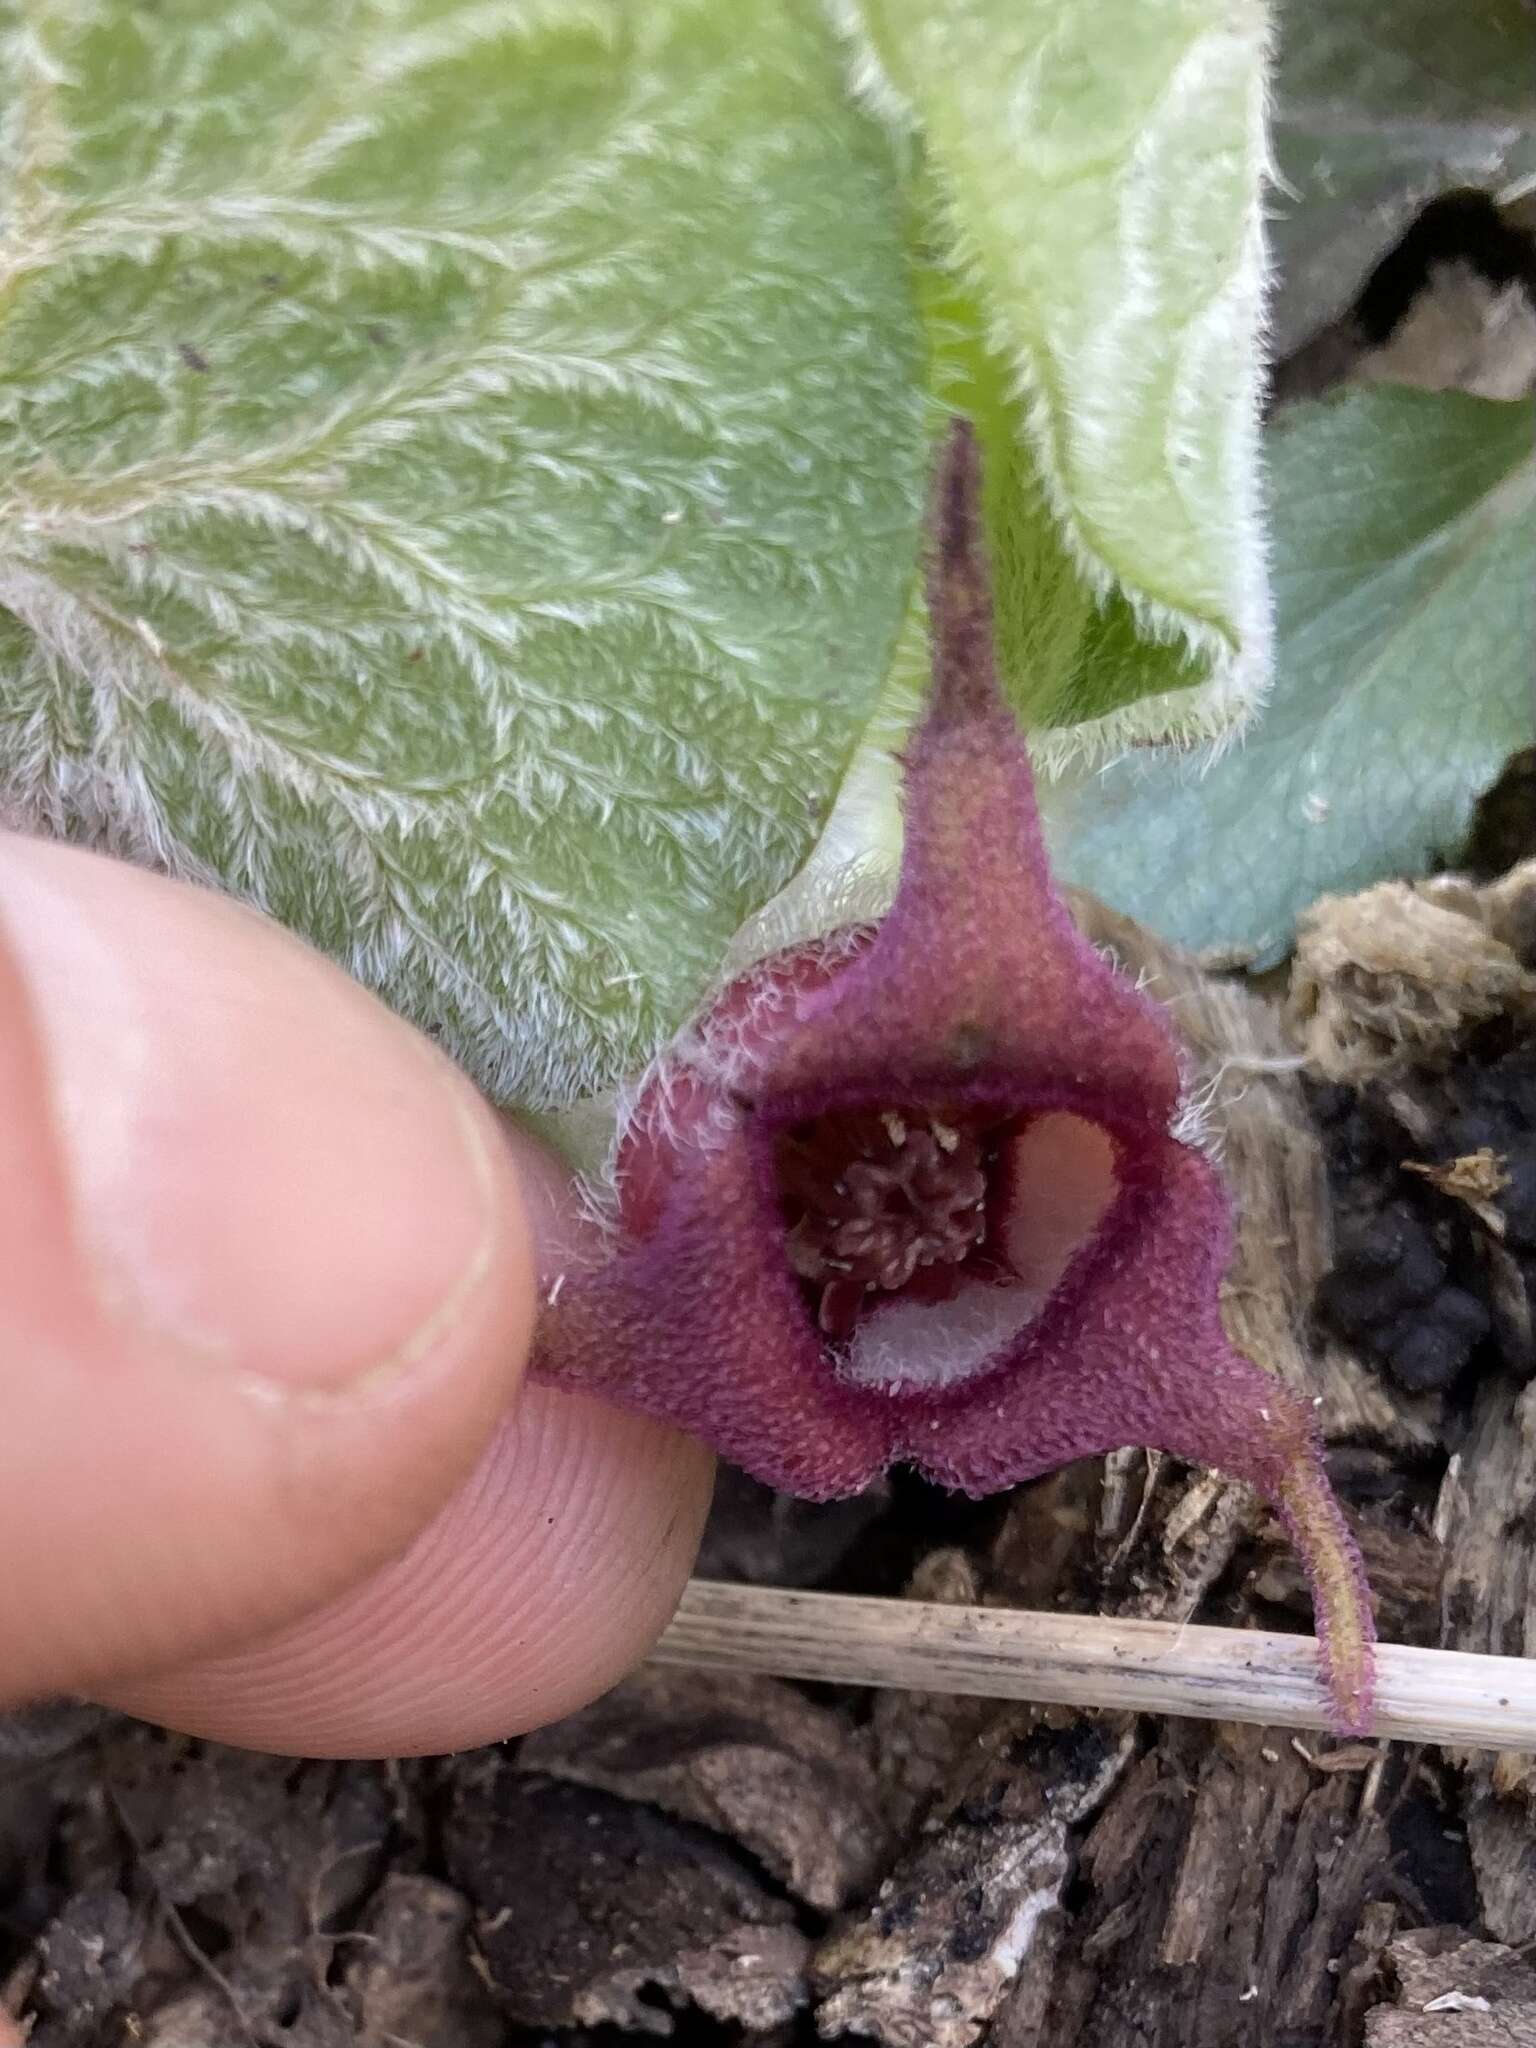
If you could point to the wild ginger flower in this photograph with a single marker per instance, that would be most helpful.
(912, 1192)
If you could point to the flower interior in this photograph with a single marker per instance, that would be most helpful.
(928, 1236)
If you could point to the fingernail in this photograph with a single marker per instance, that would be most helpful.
(268, 1171)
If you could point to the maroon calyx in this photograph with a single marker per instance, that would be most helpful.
(920, 1191)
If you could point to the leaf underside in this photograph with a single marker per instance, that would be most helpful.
(462, 473)
(1405, 528)
(1092, 273)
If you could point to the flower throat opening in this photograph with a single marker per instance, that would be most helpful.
(879, 1202)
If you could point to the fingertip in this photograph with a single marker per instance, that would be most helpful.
(270, 1279)
(545, 1579)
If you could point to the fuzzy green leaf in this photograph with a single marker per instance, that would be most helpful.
(1095, 289)
(1380, 106)
(1405, 529)
(462, 473)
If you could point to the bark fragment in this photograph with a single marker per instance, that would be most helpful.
(589, 1910)
(748, 1757)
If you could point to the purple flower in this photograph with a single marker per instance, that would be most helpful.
(911, 1192)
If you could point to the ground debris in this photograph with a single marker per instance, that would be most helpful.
(1503, 834)
(1397, 976)
(1232, 1892)
(1489, 1529)
(92, 1958)
(1452, 1992)
(940, 1949)
(1432, 1143)
(589, 1910)
(918, 1736)
(209, 1885)
(1433, 1156)
(410, 1978)
(750, 1757)
(39, 1734)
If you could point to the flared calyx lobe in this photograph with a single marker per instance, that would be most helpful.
(910, 1192)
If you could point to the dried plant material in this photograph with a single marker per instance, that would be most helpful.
(37, 1734)
(1501, 1835)
(1452, 1992)
(917, 1735)
(206, 1830)
(1476, 1178)
(1422, 1280)
(409, 1979)
(1225, 1892)
(590, 1911)
(1508, 903)
(229, 1873)
(1463, 332)
(1349, 1756)
(91, 1958)
(1433, 1963)
(751, 1758)
(310, 2018)
(941, 1946)
(1393, 978)
(1079, 1660)
(1487, 1519)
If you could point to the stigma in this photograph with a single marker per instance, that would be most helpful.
(882, 1202)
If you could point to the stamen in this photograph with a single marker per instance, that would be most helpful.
(879, 1202)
